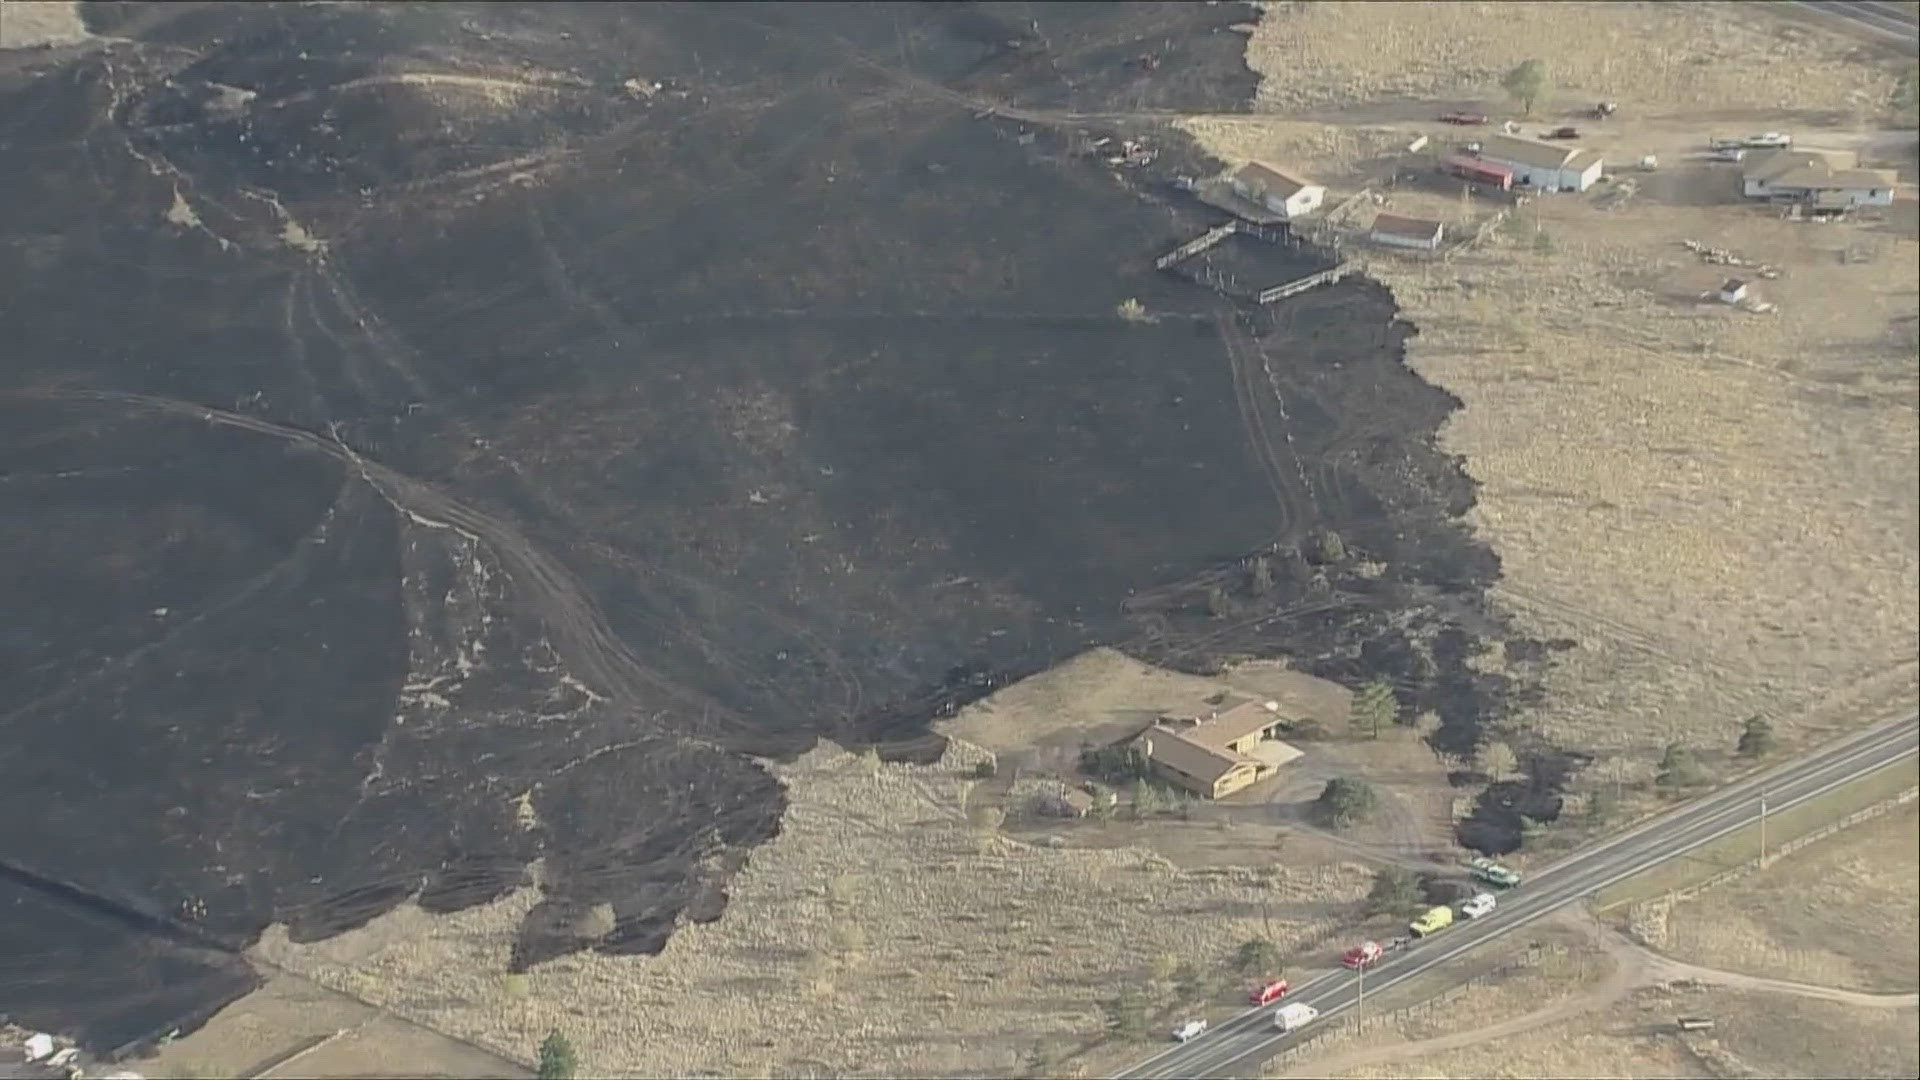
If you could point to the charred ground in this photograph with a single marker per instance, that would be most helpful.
(444, 441)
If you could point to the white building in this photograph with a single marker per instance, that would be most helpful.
(1280, 192)
(1543, 166)
(1849, 187)
(1406, 232)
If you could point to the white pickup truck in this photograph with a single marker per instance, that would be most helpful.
(1295, 1016)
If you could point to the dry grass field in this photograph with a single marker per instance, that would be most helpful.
(1704, 60)
(1720, 507)
(315, 1032)
(1756, 1035)
(879, 935)
(1845, 912)
(25, 23)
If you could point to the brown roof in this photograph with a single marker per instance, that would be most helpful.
(1850, 179)
(1202, 711)
(1532, 152)
(1272, 181)
(1821, 178)
(1415, 228)
(1175, 750)
(1777, 163)
(1241, 720)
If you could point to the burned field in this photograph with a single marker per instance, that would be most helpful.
(446, 440)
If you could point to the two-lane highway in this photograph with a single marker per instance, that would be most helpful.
(1891, 22)
(1240, 1044)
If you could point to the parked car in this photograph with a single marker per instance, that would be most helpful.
(1269, 992)
(1432, 921)
(1718, 143)
(1562, 133)
(1365, 954)
(1479, 905)
(1399, 943)
(1730, 153)
(1463, 118)
(1492, 873)
(1768, 141)
(1189, 1030)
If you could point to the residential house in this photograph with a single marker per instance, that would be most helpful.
(1280, 192)
(1406, 232)
(1544, 166)
(1817, 184)
(1218, 749)
(1760, 170)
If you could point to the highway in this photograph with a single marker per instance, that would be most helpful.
(1239, 1045)
(1871, 18)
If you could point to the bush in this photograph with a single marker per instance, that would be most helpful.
(1257, 955)
(1127, 1013)
(985, 770)
(1118, 763)
(1346, 800)
(1498, 760)
(557, 1060)
(1756, 737)
(1395, 892)
(1679, 768)
(1602, 805)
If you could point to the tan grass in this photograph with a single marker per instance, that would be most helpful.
(970, 954)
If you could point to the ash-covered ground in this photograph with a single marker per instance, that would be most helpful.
(444, 444)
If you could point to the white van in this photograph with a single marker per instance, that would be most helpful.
(1295, 1016)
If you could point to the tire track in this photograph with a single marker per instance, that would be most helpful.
(561, 280)
(571, 615)
(1289, 498)
(1619, 632)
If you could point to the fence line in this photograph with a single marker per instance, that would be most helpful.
(1361, 1024)
(1761, 862)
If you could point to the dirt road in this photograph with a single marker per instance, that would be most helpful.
(1634, 967)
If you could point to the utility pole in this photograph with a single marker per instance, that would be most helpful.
(1763, 829)
(1360, 1003)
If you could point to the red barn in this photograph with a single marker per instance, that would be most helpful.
(1480, 172)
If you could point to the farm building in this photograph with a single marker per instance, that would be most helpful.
(1542, 165)
(1396, 231)
(1214, 752)
(1278, 191)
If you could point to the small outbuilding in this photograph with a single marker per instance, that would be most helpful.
(1733, 291)
(1396, 231)
(1279, 191)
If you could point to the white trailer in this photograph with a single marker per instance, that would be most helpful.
(1295, 1016)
